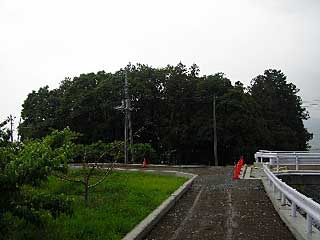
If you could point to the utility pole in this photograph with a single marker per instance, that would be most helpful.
(11, 127)
(18, 135)
(126, 110)
(130, 128)
(215, 132)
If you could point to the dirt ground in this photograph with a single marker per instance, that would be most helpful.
(216, 207)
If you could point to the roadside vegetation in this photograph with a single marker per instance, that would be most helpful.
(42, 198)
(173, 112)
(113, 209)
(172, 108)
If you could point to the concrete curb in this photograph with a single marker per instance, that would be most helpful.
(243, 171)
(248, 173)
(145, 226)
(139, 165)
(164, 165)
(158, 172)
(297, 225)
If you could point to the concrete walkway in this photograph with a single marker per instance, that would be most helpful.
(216, 207)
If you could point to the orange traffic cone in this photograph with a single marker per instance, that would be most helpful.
(235, 173)
(237, 168)
(144, 164)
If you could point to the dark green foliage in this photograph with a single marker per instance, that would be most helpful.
(141, 151)
(29, 164)
(282, 111)
(173, 112)
(111, 152)
(4, 133)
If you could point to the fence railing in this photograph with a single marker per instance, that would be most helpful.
(278, 158)
(310, 207)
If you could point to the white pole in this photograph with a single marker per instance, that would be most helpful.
(309, 224)
(274, 189)
(283, 199)
(280, 195)
(293, 209)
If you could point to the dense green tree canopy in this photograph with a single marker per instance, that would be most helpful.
(173, 112)
(281, 110)
(4, 133)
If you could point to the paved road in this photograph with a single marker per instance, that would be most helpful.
(218, 208)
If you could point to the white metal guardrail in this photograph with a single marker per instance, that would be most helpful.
(278, 158)
(310, 207)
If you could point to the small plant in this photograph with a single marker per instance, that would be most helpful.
(88, 170)
(90, 164)
(91, 156)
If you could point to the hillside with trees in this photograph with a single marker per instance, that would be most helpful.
(173, 112)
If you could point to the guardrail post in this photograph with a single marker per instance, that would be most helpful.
(293, 209)
(283, 199)
(277, 163)
(280, 195)
(297, 163)
(293, 195)
(309, 224)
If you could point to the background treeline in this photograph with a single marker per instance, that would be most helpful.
(173, 111)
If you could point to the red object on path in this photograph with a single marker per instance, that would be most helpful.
(237, 169)
(144, 164)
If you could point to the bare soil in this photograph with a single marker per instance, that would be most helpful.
(216, 207)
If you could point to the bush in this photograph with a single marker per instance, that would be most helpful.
(31, 163)
(141, 151)
(110, 152)
(99, 152)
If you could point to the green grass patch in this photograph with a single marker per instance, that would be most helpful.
(114, 208)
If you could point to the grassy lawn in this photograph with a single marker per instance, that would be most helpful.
(114, 208)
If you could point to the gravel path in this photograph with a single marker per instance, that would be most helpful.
(216, 207)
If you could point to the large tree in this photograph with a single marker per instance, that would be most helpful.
(4, 133)
(172, 110)
(40, 113)
(282, 111)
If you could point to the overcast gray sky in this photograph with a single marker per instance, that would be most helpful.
(41, 41)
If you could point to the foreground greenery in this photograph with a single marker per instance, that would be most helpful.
(114, 208)
(41, 198)
(173, 112)
(30, 164)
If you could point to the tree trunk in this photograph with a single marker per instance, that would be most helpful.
(86, 191)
